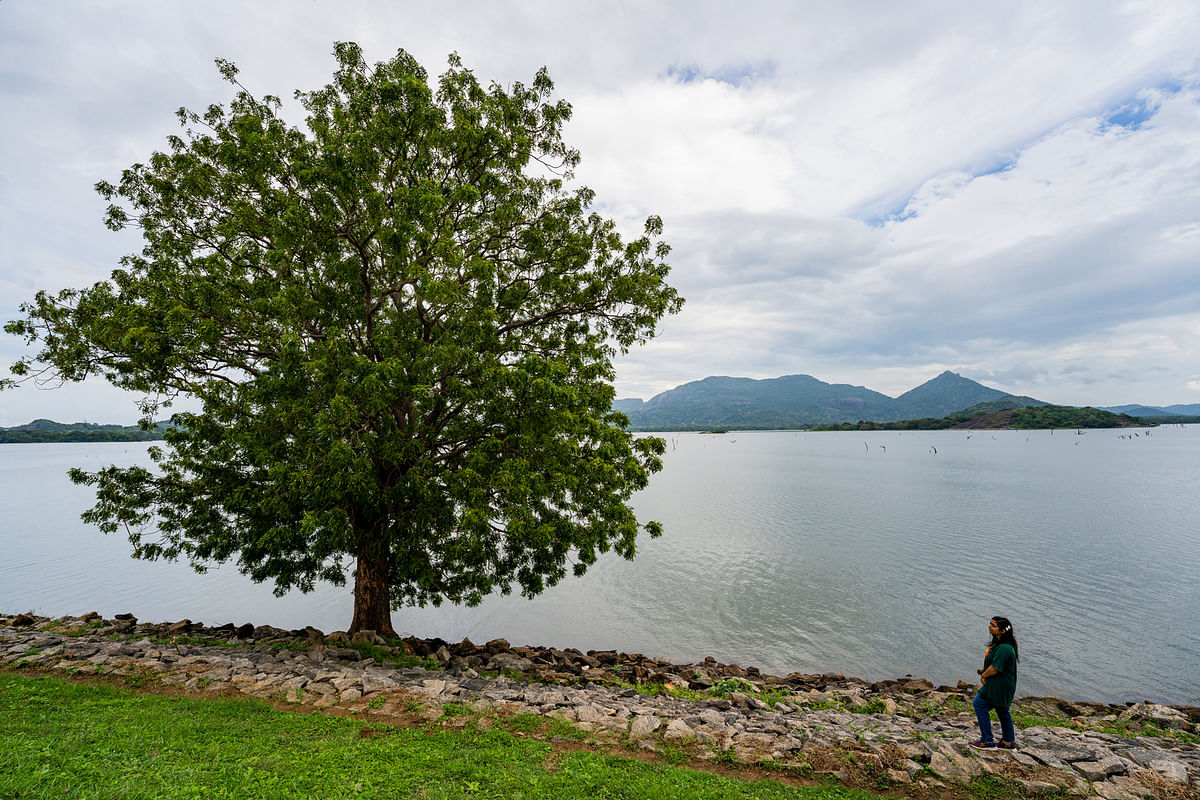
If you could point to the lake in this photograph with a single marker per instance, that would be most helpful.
(872, 554)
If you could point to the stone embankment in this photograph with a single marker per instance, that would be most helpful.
(905, 732)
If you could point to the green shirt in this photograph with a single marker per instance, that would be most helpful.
(999, 689)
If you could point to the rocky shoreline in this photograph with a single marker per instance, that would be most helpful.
(906, 733)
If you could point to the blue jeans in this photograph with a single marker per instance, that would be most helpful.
(982, 707)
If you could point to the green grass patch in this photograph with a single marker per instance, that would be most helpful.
(870, 707)
(561, 729)
(456, 709)
(1131, 730)
(998, 787)
(525, 723)
(63, 739)
(952, 705)
(773, 696)
(727, 686)
(826, 705)
(684, 693)
(1033, 719)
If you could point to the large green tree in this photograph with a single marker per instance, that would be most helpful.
(399, 324)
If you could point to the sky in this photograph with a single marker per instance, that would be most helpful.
(869, 193)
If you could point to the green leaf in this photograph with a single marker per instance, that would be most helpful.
(398, 324)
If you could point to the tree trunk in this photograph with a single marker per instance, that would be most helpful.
(372, 608)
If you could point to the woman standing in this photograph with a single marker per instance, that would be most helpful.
(997, 685)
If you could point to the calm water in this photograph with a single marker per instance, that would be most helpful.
(867, 554)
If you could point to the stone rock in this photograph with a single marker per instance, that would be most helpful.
(592, 713)
(244, 631)
(643, 725)
(1163, 716)
(345, 683)
(548, 696)
(750, 746)
(313, 635)
(497, 646)
(605, 657)
(1048, 758)
(678, 729)
(954, 766)
(509, 661)
(1111, 791)
(1171, 770)
(1037, 787)
(376, 683)
(1132, 786)
(1099, 770)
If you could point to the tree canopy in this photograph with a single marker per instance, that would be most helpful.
(399, 324)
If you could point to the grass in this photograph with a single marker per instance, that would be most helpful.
(950, 706)
(73, 740)
(997, 787)
(1131, 730)
(721, 689)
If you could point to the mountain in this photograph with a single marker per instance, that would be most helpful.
(1138, 410)
(798, 401)
(628, 405)
(1185, 409)
(947, 391)
(789, 401)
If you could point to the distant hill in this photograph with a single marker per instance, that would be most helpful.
(802, 401)
(1136, 410)
(1070, 417)
(630, 405)
(1009, 401)
(995, 415)
(945, 393)
(47, 430)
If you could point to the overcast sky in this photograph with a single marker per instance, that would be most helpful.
(869, 193)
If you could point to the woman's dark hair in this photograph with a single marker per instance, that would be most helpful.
(1006, 635)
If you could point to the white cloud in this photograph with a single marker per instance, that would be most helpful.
(1031, 242)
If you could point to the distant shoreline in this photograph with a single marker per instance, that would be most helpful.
(44, 437)
(47, 431)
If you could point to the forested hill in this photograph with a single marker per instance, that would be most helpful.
(802, 401)
(988, 417)
(47, 430)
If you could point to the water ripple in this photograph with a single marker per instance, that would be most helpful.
(789, 551)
